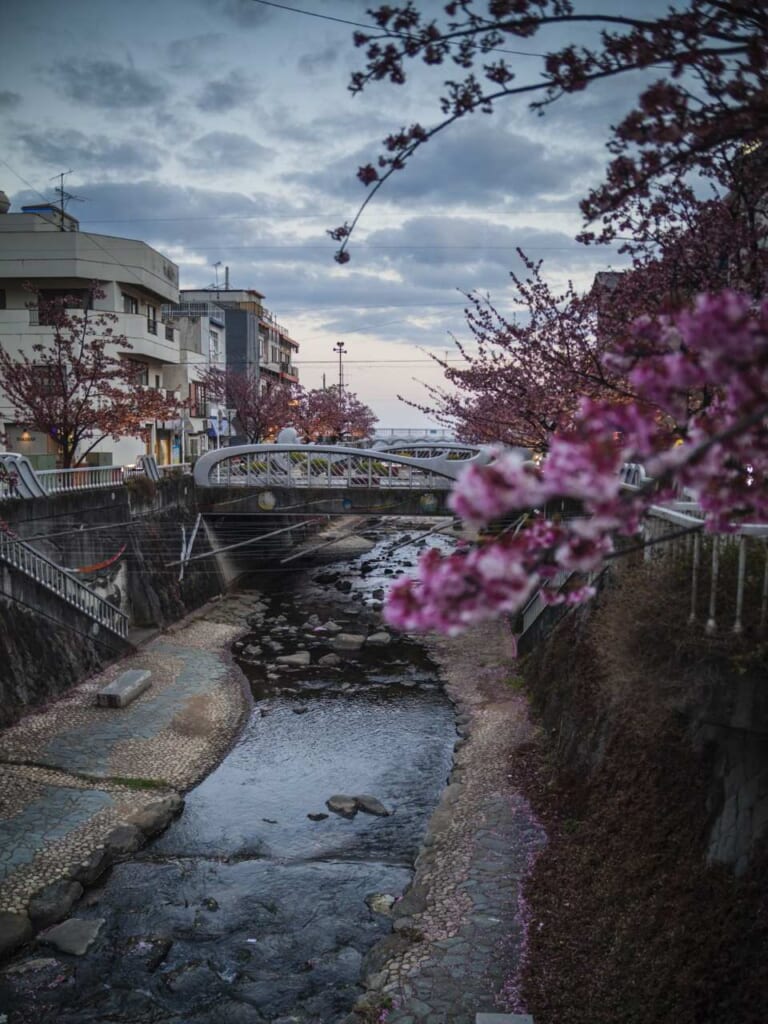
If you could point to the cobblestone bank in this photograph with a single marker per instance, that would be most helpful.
(459, 934)
(82, 786)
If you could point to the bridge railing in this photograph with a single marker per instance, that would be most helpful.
(327, 467)
(18, 479)
(323, 469)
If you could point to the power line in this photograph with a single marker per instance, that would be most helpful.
(372, 28)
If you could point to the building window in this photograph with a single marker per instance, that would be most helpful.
(2, 298)
(214, 353)
(200, 400)
(152, 319)
(139, 372)
(130, 304)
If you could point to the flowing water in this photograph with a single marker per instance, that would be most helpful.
(247, 910)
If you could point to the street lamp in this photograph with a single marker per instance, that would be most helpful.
(339, 347)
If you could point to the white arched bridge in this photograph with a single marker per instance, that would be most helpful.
(420, 477)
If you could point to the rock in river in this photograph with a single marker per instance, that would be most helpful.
(74, 936)
(371, 805)
(300, 659)
(379, 639)
(346, 806)
(348, 642)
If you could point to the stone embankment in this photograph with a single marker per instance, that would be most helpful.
(459, 934)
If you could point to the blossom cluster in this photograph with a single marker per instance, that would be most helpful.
(712, 360)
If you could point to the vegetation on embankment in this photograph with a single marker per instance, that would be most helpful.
(630, 924)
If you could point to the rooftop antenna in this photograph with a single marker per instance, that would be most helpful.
(64, 196)
(216, 266)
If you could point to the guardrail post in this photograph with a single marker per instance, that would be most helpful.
(737, 626)
(695, 575)
(711, 625)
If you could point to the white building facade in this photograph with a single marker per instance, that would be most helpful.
(42, 247)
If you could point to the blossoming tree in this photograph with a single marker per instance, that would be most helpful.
(641, 370)
(261, 409)
(720, 348)
(710, 96)
(333, 414)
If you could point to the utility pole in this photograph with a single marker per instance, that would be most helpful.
(339, 347)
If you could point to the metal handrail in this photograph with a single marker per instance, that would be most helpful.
(26, 559)
(61, 481)
(82, 478)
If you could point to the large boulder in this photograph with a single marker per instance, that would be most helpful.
(75, 936)
(53, 902)
(15, 930)
(92, 866)
(123, 840)
(156, 816)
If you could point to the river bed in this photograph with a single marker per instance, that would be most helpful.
(258, 904)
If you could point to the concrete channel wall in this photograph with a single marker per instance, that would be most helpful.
(126, 538)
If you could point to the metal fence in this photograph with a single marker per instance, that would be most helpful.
(19, 480)
(23, 557)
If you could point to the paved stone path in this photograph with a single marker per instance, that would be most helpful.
(72, 773)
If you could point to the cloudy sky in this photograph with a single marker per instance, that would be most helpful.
(223, 131)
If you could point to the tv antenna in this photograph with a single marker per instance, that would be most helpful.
(64, 196)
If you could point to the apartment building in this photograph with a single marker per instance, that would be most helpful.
(202, 328)
(43, 247)
(256, 341)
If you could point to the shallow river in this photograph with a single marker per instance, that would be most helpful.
(247, 910)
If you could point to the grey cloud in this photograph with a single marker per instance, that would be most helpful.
(244, 13)
(312, 63)
(107, 84)
(187, 53)
(221, 94)
(472, 163)
(89, 153)
(203, 221)
(458, 242)
(9, 100)
(226, 151)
